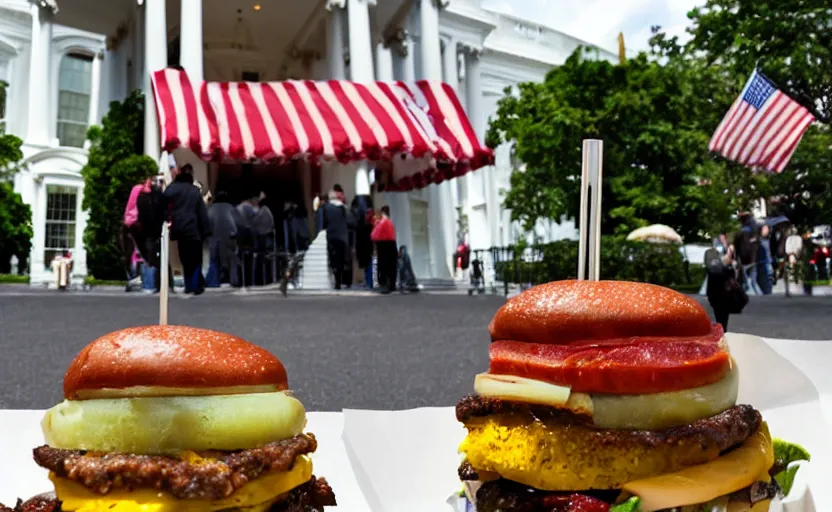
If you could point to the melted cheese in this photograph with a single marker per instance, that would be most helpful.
(699, 484)
(256, 496)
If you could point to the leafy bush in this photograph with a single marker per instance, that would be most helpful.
(15, 215)
(115, 165)
(620, 260)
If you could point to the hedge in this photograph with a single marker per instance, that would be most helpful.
(622, 260)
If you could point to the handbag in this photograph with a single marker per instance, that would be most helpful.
(737, 298)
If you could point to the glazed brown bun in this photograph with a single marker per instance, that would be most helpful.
(562, 312)
(171, 360)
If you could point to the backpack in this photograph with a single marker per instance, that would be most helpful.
(713, 262)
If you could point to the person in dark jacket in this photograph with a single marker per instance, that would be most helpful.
(227, 224)
(336, 223)
(362, 208)
(189, 226)
(720, 271)
(151, 209)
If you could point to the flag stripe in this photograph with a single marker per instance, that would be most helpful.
(763, 127)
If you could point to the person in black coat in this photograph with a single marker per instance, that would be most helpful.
(362, 208)
(189, 226)
(338, 222)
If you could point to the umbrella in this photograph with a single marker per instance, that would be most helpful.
(776, 221)
(657, 233)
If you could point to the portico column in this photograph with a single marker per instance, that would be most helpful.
(450, 75)
(440, 209)
(335, 39)
(384, 62)
(95, 90)
(155, 58)
(38, 131)
(473, 98)
(190, 38)
(361, 67)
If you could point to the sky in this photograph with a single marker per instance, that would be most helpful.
(599, 21)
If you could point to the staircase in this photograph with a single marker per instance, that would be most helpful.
(315, 273)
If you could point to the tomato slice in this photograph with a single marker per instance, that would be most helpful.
(635, 366)
(574, 503)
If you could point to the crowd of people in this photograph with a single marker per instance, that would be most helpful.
(239, 242)
(746, 265)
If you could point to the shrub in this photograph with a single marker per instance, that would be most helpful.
(623, 260)
(15, 215)
(115, 165)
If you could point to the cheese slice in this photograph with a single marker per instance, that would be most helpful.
(256, 496)
(699, 484)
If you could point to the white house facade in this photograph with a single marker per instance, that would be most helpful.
(62, 63)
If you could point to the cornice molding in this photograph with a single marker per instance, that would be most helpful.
(49, 6)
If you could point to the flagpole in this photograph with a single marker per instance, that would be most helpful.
(164, 257)
(589, 243)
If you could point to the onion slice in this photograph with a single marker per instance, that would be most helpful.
(521, 389)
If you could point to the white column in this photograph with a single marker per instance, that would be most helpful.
(450, 75)
(39, 80)
(384, 62)
(473, 97)
(442, 225)
(95, 92)
(361, 48)
(335, 40)
(139, 48)
(409, 59)
(190, 39)
(155, 58)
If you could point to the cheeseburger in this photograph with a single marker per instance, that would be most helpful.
(171, 418)
(615, 397)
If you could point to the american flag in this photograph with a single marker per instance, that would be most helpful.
(763, 127)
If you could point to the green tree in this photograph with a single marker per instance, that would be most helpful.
(651, 118)
(791, 42)
(114, 166)
(15, 215)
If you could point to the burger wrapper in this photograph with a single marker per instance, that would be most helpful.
(20, 477)
(407, 460)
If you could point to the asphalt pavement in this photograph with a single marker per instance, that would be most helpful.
(370, 352)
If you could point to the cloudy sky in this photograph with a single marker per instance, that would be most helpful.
(600, 21)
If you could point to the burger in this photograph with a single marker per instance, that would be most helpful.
(171, 418)
(615, 397)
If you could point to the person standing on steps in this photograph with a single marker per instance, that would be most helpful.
(335, 222)
(384, 236)
(189, 226)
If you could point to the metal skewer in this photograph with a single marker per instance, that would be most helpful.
(589, 244)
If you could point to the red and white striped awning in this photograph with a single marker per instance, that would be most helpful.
(334, 120)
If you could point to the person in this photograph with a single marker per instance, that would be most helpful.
(132, 237)
(318, 207)
(407, 278)
(300, 227)
(263, 225)
(362, 207)
(746, 244)
(384, 236)
(764, 261)
(335, 222)
(189, 226)
(226, 225)
(720, 269)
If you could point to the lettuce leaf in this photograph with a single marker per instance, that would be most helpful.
(631, 505)
(786, 454)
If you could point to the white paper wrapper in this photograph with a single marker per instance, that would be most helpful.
(20, 477)
(407, 460)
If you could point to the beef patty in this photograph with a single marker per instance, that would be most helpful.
(216, 476)
(309, 497)
(728, 428)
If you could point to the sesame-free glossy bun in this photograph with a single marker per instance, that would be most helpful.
(174, 357)
(563, 312)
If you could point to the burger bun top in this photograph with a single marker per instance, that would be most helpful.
(182, 360)
(564, 312)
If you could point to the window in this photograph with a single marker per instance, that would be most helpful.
(3, 87)
(75, 85)
(4, 91)
(61, 206)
